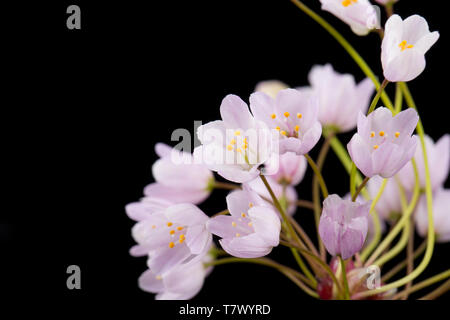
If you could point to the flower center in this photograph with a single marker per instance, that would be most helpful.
(346, 3)
(176, 235)
(293, 127)
(379, 138)
(404, 45)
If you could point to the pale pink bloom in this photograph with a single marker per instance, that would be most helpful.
(288, 168)
(172, 236)
(404, 46)
(251, 230)
(178, 177)
(383, 143)
(441, 215)
(271, 87)
(438, 155)
(182, 282)
(340, 98)
(388, 207)
(236, 145)
(285, 194)
(343, 225)
(360, 15)
(293, 114)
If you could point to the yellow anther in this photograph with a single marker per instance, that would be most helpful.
(346, 3)
(239, 150)
(238, 234)
(172, 232)
(181, 240)
(229, 147)
(250, 224)
(381, 133)
(180, 228)
(153, 226)
(372, 134)
(273, 116)
(158, 277)
(375, 147)
(244, 146)
(277, 128)
(233, 224)
(250, 205)
(283, 132)
(237, 133)
(397, 134)
(182, 237)
(404, 45)
(243, 215)
(171, 244)
(286, 114)
(299, 115)
(233, 141)
(169, 224)
(297, 128)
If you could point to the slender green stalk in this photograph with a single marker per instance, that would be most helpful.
(316, 170)
(423, 284)
(398, 98)
(377, 96)
(225, 185)
(223, 212)
(344, 278)
(347, 46)
(361, 186)
(437, 292)
(353, 180)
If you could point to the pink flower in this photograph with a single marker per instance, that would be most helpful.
(441, 215)
(251, 230)
(237, 145)
(438, 161)
(172, 236)
(340, 98)
(360, 15)
(178, 177)
(343, 226)
(287, 168)
(404, 46)
(182, 282)
(383, 143)
(286, 194)
(270, 87)
(293, 114)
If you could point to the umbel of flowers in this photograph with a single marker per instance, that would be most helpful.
(259, 152)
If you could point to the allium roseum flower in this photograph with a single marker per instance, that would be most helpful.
(236, 145)
(404, 46)
(182, 282)
(286, 194)
(288, 168)
(293, 115)
(271, 87)
(172, 236)
(388, 207)
(251, 230)
(360, 15)
(340, 98)
(383, 143)
(441, 215)
(343, 226)
(438, 161)
(178, 177)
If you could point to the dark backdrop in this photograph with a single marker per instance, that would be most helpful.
(89, 105)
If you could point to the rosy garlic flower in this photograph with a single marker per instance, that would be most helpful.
(438, 162)
(251, 230)
(288, 168)
(383, 143)
(182, 282)
(441, 215)
(343, 226)
(340, 98)
(172, 236)
(236, 145)
(270, 87)
(360, 15)
(404, 46)
(293, 115)
(178, 177)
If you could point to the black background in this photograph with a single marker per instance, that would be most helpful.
(88, 106)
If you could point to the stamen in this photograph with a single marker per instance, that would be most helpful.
(182, 237)
(375, 147)
(239, 150)
(243, 215)
(233, 141)
(169, 224)
(397, 134)
(238, 234)
(171, 245)
(172, 232)
(273, 116)
(229, 147)
(372, 134)
(299, 115)
(404, 45)
(286, 114)
(250, 205)
(381, 133)
(158, 277)
(250, 224)
(180, 228)
(277, 128)
(283, 133)
(237, 133)
(233, 224)
(153, 227)
(297, 128)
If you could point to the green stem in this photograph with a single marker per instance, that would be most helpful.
(377, 96)
(316, 170)
(361, 186)
(353, 172)
(225, 185)
(437, 292)
(344, 278)
(398, 98)
(347, 46)
(428, 282)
